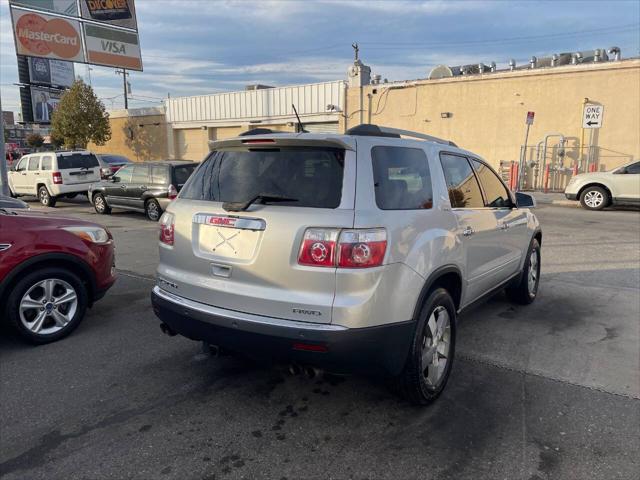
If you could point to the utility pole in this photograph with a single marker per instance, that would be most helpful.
(4, 178)
(124, 74)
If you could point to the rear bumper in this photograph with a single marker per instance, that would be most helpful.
(62, 189)
(381, 349)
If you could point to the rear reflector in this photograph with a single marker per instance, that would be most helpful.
(310, 347)
(173, 192)
(57, 178)
(167, 228)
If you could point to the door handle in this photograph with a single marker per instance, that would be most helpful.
(143, 187)
(467, 232)
(503, 226)
(124, 187)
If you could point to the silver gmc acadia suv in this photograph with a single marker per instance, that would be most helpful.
(347, 253)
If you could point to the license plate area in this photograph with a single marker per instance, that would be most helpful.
(226, 237)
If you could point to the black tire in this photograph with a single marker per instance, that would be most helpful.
(522, 292)
(594, 198)
(100, 204)
(412, 383)
(26, 283)
(153, 210)
(45, 198)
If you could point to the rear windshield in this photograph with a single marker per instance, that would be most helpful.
(114, 159)
(77, 160)
(182, 174)
(309, 176)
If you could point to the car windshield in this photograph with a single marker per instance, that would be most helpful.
(77, 160)
(114, 159)
(311, 177)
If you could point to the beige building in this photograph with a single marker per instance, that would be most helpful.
(486, 112)
(483, 112)
(138, 133)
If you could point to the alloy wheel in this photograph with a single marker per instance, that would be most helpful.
(534, 271)
(99, 203)
(152, 211)
(436, 346)
(48, 306)
(593, 199)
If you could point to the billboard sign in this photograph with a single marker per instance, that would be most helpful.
(44, 71)
(112, 47)
(121, 13)
(45, 36)
(63, 7)
(44, 102)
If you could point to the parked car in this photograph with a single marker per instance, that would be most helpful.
(143, 187)
(110, 164)
(347, 252)
(51, 175)
(9, 203)
(598, 190)
(51, 270)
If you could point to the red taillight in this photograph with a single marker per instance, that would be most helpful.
(173, 192)
(57, 178)
(167, 228)
(362, 248)
(318, 247)
(328, 247)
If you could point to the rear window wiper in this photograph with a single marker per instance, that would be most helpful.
(264, 199)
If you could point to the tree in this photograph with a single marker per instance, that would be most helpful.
(34, 140)
(56, 141)
(80, 117)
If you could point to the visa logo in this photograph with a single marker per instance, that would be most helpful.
(113, 47)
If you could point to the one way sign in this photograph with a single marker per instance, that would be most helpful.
(592, 116)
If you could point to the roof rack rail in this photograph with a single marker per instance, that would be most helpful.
(371, 130)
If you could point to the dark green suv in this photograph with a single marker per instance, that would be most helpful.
(143, 187)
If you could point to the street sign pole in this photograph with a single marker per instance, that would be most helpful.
(4, 178)
(523, 151)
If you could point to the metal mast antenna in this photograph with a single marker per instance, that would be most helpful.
(356, 49)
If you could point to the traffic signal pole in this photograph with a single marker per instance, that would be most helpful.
(4, 177)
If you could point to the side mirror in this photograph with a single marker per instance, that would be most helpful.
(524, 200)
(114, 179)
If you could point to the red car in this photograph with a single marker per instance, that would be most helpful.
(51, 270)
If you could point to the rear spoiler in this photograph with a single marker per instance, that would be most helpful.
(242, 143)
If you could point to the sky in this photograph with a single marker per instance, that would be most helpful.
(196, 47)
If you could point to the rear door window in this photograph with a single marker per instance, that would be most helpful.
(308, 176)
(496, 194)
(77, 160)
(402, 178)
(462, 185)
(140, 174)
(182, 173)
(46, 162)
(34, 162)
(159, 175)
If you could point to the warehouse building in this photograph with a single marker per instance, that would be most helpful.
(476, 106)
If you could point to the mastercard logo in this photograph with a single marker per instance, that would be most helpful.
(43, 37)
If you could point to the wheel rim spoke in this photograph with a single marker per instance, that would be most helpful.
(36, 326)
(68, 296)
(29, 303)
(60, 319)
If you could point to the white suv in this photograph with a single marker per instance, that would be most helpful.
(347, 253)
(50, 175)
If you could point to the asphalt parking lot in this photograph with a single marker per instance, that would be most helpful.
(541, 392)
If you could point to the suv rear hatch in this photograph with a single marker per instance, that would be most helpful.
(247, 260)
(78, 167)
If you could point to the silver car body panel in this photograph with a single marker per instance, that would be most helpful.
(249, 266)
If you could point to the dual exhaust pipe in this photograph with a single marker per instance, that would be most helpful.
(308, 371)
(215, 351)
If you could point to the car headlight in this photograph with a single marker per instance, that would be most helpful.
(90, 234)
